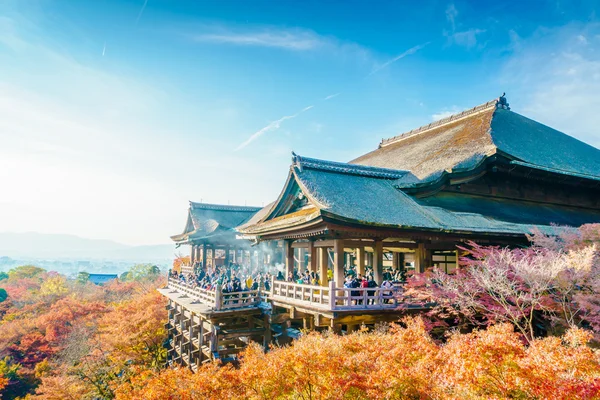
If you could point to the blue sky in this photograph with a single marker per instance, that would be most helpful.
(115, 113)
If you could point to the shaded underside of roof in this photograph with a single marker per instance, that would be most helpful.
(512, 211)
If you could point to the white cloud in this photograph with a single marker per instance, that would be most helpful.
(445, 113)
(451, 14)
(554, 78)
(292, 39)
(466, 38)
(408, 52)
(331, 96)
(272, 126)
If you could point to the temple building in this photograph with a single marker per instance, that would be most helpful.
(209, 230)
(486, 174)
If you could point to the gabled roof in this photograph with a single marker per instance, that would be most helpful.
(375, 201)
(465, 140)
(208, 220)
(99, 279)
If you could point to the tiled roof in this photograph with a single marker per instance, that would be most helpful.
(208, 220)
(351, 169)
(377, 202)
(465, 140)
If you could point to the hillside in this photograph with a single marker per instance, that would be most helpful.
(41, 245)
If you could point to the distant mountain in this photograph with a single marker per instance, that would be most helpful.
(42, 245)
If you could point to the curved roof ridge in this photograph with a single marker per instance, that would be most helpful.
(221, 207)
(441, 122)
(346, 168)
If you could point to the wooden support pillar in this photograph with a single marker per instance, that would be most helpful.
(312, 255)
(267, 336)
(192, 254)
(423, 258)
(289, 258)
(203, 255)
(200, 340)
(360, 260)
(338, 262)
(226, 262)
(323, 265)
(301, 260)
(369, 258)
(378, 262)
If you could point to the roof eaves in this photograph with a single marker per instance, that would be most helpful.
(345, 168)
(221, 207)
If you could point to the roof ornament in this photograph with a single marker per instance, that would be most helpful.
(502, 103)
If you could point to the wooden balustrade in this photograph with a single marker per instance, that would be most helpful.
(216, 298)
(327, 298)
(332, 298)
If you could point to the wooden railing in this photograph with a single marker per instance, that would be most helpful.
(332, 298)
(309, 294)
(326, 298)
(216, 298)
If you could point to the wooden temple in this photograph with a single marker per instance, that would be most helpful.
(486, 174)
(210, 232)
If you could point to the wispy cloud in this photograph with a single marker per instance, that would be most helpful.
(270, 127)
(331, 96)
(141, 12)
(451, 14)
(408, 52)
(466, 38)
(560, 90)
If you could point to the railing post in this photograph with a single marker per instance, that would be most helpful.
(332, 295)
(218, 297)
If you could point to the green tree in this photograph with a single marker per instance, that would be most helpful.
(3, 295)
(3, 275)
(25, 271)
(83, 277)
(140, 272)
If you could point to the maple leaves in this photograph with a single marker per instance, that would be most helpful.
(400, 363)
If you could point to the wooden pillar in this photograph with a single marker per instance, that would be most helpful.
(301, 260)
(338, 262)
(312, 256)
(192, 254)
(323, 265)
(378, 262)
(422, 258)
(203, 254)
(360, 260)
(369, 258)
(289, 258)
(226, 262)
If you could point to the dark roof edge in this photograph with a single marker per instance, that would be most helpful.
(345, 168)
(556, 170)
(441, 122)
(221, 207)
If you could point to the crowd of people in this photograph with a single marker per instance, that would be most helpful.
(232, 277)
(237, 278)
